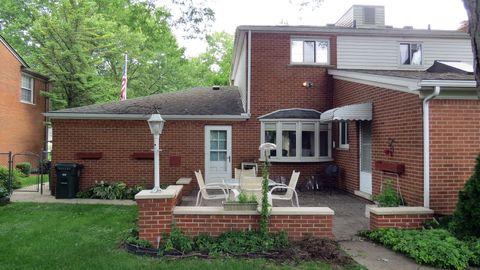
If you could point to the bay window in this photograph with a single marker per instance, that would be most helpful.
(297, 140)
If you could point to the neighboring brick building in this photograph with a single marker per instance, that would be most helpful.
(21, 104)
(357, 93)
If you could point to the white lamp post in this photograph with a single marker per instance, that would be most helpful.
(156, 122)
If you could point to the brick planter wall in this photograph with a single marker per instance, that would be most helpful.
(158, 211)
(399, 217)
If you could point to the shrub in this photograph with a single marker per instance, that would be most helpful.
(24, 167)
(474, 245)
(435, 247)
(466, 218)
(4, 178)
(244, 198)
(389, 196)
(110, 191)
(233, 242)
(138, 242)
(4, 192)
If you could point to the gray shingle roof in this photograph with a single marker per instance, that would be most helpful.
(418, 75)
(194, 101)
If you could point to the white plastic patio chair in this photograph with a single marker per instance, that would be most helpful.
(203, 193)
(251, 185)
(290, 190)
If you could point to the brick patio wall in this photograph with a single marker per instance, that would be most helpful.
(396, 115)
(156, 216)
(412, 221)
(455, 144)
(22, 125)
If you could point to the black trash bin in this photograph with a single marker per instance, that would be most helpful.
(68, 178)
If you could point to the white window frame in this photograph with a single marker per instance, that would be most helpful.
(341, 130)
(32, 81)
(310, 39)
(298, 157)
(411, 65)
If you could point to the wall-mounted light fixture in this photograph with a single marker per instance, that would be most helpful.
(307, 84)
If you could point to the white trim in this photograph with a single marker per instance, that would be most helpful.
(249, 71)
(449, 83)
(298, 129)
(315, 39)
(207, 149)
(289, 109)
(114, 116)
(32, 85)
(392, 82)
(343, 146)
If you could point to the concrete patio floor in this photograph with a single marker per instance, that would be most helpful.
(349, 210)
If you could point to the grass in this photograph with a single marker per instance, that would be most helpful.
(75, 236)
(33, 179)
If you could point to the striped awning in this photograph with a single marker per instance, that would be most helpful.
(354, 112)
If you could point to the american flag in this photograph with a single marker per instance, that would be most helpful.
(123, 89)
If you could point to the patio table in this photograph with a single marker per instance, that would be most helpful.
(233, 183)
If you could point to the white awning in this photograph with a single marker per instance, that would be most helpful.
(354, 112)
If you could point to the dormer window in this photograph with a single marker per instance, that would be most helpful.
(411, 54)
(310, 51)
(27, 89)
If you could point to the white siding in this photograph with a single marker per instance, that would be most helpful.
(240, 76)
(355, 52)
(379, 17)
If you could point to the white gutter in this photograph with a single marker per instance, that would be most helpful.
(249, 75)
(449, 83)
(426, 146)
(108, 116)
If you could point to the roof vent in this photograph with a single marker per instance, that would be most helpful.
(216, 87)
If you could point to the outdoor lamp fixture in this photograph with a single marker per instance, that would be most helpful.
(267, 147)
(156, 122)
(307, 84)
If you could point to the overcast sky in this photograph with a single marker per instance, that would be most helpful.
(440, 14)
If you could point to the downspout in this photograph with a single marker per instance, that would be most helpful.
(249, 74)
(426, 146)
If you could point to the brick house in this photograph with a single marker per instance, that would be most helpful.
(369, 97)
(21, 104)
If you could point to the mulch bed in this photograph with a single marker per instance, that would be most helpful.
(312, 249)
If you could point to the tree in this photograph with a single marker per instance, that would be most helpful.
(473, 12)
(466, 218)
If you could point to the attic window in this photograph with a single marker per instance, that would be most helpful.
(310, 51)
(369, 15)
(411, 54)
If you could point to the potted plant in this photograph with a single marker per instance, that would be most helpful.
(4, 196)
(244, 203)
(388, 197)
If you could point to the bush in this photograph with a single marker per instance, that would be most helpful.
(466, 218)
(233, 242)
(474, 245)
(4, 178)
(4, 192)
(389, 196)
(437, 247)
(24, 167)
(110, 191)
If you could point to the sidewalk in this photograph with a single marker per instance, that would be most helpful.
(377, 257)
(29, 196)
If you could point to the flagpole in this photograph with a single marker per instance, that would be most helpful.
(126, 67)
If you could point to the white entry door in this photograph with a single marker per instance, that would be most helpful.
(366, 157)
(218, 153)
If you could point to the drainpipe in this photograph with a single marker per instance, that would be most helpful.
(426, 146)
(249, 75)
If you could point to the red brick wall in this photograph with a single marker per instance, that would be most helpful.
(22, 125)
(155, 217)
(297, 227)
(398, 221)
(454, 145)
(396, 115)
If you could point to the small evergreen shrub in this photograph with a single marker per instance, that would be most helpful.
(466, 218)
(24, 167)
(389, 196)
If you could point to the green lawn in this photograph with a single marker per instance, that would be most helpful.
(33, 179)
(69, 236)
